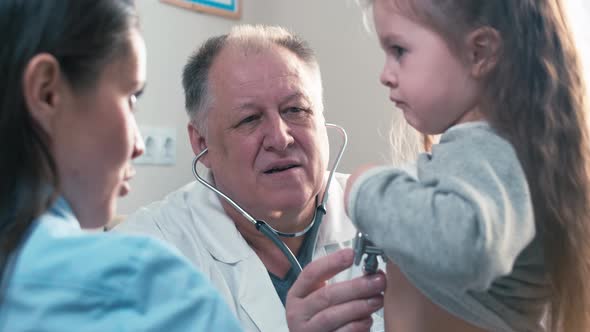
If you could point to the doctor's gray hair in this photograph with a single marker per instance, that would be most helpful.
(250, 38)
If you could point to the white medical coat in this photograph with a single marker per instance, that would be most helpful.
(193, 220)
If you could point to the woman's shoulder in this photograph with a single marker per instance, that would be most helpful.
(110, 278)
(101, 262)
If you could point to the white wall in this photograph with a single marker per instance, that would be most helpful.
(171, 34)
(349, 58)
(579, 11)
(350, 61)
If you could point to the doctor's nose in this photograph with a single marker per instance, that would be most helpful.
(277, 135)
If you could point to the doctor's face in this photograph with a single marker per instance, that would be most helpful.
(267, 140)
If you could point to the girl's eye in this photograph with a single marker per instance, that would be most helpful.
(398, 51)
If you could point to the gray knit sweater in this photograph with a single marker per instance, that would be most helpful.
(461, 228)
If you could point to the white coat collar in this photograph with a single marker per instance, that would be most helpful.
(205, 205)
(336, 226)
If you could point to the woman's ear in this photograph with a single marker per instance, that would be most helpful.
(484, 46)
(41, 89)
(198, 142)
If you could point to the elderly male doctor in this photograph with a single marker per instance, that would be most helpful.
(254, 99)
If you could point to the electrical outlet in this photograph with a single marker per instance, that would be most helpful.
(160, 146)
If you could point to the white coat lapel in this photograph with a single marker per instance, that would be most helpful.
(218, 232)
(336, 226)
(258, 297)
(256, 293)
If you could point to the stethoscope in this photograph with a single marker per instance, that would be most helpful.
(273, 234)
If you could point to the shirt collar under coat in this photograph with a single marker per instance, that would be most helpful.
(205, 205)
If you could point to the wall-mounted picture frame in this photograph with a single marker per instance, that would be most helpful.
(226, 8)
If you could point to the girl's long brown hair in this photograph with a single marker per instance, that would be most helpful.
(535, 97)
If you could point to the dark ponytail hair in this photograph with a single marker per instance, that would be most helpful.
(83, 36)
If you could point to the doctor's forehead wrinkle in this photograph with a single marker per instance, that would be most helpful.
(296, 96)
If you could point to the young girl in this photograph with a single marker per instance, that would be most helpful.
(493, 225)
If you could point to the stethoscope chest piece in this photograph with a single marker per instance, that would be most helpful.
(364, 246)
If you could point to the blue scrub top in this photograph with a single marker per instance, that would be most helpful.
(64, 279)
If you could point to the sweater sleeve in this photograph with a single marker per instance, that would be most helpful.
(461, 222)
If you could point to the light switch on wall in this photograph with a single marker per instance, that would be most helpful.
(160, 146)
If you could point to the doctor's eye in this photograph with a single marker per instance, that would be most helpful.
(248, 119)
(295, 112)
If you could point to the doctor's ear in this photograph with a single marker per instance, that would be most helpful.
(42, 87)
(198, 142)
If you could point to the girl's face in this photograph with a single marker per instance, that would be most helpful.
(429, 83)
(95, 137)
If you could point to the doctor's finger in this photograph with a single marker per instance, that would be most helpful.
(349, 316)
(320, 270)
(360, 288)
(357, 326)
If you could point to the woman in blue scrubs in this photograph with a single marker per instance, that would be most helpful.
(70, 74)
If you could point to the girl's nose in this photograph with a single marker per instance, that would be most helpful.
(388, 75)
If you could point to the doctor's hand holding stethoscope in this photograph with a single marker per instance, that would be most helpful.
(360, 297)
